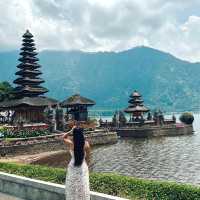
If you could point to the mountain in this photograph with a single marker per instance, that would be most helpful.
(108, 77)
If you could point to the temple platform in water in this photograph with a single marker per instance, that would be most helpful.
(143, 122)
(155, 131)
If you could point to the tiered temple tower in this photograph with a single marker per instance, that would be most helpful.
(28, 81)
(136, 107)
(29, 103)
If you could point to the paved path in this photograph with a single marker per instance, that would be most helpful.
(8, 197)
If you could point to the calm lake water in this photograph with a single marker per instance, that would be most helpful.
(165, 158)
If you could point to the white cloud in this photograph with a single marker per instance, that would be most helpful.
(113, 25)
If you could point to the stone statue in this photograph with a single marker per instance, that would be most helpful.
(174, 118)
(122, 118)
(114, 119)
(149, 116)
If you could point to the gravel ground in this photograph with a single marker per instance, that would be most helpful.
(8, 197)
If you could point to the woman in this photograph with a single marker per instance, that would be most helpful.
(77, 179)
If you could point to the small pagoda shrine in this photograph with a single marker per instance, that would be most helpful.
(77, 107)
(28, 103)
(136, 109)
(140, 126)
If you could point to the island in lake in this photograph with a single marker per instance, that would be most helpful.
(153, 125)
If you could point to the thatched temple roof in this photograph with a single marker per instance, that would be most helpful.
(136, 104)
(29, 101)
(135, 94)
(28, 81)
(77, 100)
(139, 108)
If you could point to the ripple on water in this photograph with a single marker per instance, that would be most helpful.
(166, 158)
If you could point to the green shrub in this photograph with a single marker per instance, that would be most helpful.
(187, 118)
(55, 175)
(23, 133)
(124, 186)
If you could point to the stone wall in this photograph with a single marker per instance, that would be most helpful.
(156, 131)
(51, 143)
(30, 189)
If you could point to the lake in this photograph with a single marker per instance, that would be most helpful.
(165, 158)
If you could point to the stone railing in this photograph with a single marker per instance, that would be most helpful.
(31, 189)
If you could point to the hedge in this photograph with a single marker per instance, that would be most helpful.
(118, 185)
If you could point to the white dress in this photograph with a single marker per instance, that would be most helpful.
(77, 181)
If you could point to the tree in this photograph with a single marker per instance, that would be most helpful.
(6, 91)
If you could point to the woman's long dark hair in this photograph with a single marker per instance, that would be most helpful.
(79, 143)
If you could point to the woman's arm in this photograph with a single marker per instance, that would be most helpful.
(87, 151)
(65, 136)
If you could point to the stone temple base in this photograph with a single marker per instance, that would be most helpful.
(155, 131)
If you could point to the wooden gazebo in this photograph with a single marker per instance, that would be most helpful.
(28, 103)
(136, 107)
(77, 106)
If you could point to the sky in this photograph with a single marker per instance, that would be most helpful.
(104, 25)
